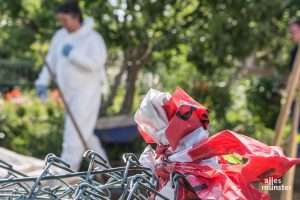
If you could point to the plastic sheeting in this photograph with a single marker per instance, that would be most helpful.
(178, 125)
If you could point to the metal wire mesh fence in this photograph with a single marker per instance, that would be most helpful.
(16, 72)
(132, 181)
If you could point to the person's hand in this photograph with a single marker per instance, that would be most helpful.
(67, 49)
(41, 91)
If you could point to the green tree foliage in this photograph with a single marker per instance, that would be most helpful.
(263, 97)
(210, 36)
(198, 45)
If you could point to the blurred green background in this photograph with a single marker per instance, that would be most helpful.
(231, 56)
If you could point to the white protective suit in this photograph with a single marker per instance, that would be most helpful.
(80, 77)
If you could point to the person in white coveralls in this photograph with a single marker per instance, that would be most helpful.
(77, 56)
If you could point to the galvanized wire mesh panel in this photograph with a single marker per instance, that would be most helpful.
(16, 72)
(100, 181)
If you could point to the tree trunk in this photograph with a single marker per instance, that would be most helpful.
(139, 57)
(115, 86)
(132, 74)
(113, 90)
